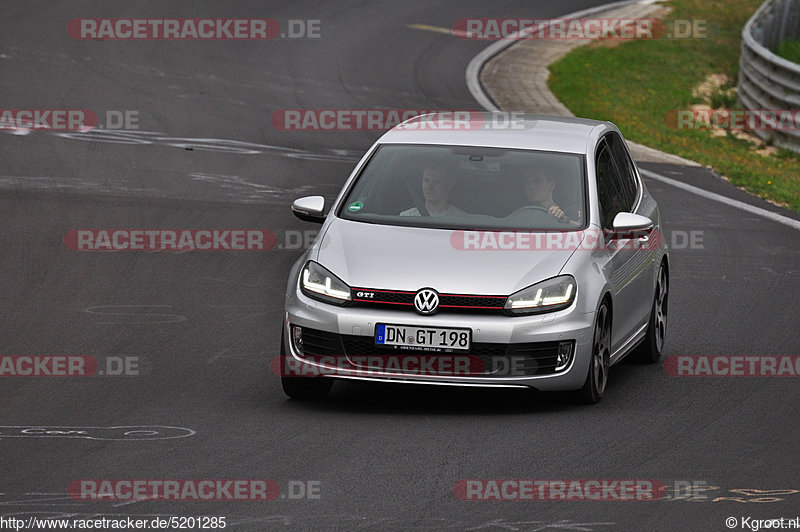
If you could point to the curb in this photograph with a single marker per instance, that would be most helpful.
(511, 75)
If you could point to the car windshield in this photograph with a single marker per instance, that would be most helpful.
(466, 187)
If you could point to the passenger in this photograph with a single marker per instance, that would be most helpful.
(436, 187)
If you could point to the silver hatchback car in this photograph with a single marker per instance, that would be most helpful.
(528, 255)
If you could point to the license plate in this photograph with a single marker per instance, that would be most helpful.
(436, 339)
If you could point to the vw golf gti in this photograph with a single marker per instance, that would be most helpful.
(522, 255)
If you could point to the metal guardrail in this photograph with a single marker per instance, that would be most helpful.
(767, 81)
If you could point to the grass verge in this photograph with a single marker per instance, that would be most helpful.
(638, 84)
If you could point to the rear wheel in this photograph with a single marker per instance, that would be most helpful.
(597, 377)
(650, 349)
(304, 388)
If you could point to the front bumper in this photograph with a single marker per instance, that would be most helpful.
(356, 326)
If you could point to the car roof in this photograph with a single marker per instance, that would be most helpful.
(508, 130)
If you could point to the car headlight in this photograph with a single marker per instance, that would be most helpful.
(553, 294)
(318, 283)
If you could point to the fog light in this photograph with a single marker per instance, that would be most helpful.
(297, 339)
(564, 356)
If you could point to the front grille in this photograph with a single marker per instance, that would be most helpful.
(474, 302)
(360, 346)
(537, 358)
(447, 302)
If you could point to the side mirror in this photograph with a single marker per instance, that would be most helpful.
(310, 209)
(627, 222)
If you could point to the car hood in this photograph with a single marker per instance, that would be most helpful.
(376, 256)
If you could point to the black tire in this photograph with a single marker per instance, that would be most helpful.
(597, 377)
(304, 388)
(649, 351)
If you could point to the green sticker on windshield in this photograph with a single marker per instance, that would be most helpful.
(355, 206)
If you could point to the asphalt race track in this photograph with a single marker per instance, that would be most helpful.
(198, 329)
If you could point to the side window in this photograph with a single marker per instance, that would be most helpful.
(609, 186)
(625, 169)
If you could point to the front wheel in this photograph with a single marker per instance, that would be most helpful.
(597, 377)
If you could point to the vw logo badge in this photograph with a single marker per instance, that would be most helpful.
(426, 301)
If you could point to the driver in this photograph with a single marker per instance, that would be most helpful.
(436, 187)
(539, 191)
